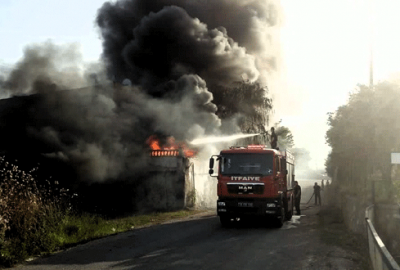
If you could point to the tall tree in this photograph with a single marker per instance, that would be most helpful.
(363, 133)
(285, 136)
(249, 103)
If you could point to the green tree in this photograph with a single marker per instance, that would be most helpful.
(249, 103)
(285, 136)
(363, 133)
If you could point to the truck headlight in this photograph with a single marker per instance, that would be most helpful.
(221, 203)
(271, 205)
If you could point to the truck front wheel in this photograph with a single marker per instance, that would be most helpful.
(280, 219)
(226, 221)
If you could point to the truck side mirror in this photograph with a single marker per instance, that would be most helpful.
(211, 171)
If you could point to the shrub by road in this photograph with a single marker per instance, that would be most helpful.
(38, 219)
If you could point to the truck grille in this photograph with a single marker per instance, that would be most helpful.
(245, 188)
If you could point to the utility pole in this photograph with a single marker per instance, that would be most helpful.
(371, 44)
(371, 69)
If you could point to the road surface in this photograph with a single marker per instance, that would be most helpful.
(201, 243)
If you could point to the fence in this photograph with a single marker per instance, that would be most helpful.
(380, 256)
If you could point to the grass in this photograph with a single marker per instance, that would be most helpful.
(72, 229)
(82, 228)
(38, 219)
(334, 232)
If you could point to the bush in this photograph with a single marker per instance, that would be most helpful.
(29, 214)
(37, 219)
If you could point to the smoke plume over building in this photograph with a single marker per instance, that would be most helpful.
(174, 54)
(154, 42)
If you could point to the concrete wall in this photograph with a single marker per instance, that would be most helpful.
(387, 224)
(352, 207)
(353, 210)
(205, 185)
(385, 219)
(381, 258)
(169, 185)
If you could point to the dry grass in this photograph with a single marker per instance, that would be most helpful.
(28, 213)
(38, 219)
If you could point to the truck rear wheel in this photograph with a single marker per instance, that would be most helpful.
(289, 213)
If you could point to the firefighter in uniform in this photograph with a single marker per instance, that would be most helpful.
(274, 139)
(297, 197)
(317, 193)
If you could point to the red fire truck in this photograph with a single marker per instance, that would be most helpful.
(254, 181)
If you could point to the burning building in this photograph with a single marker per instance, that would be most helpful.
(35, 130)
(170, 184)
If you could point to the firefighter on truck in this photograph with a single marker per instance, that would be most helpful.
(254, 181)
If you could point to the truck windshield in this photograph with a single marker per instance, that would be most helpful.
(246, 164)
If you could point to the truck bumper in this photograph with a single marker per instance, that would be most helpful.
(249, 207)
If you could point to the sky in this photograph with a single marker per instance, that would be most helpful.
(325, 52)
(35, 21)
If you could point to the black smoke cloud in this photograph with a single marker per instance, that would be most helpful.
(175, 53)
(151, 42)
(47, 67)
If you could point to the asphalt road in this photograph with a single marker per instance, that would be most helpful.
(202, 243)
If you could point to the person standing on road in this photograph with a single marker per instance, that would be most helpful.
(274, 139)
(297, 197)
(317, 194)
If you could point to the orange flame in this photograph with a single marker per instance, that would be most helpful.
(189, 152)
(153, 142)
(171, 148)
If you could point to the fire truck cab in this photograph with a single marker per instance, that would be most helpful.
(254, 181)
